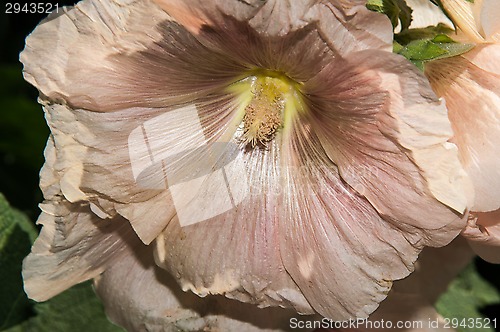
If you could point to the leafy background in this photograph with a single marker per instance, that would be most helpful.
(23, 133)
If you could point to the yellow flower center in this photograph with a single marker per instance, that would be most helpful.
(267, 102)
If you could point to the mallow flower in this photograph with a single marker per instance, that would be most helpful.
(470, 85)
(273, 152)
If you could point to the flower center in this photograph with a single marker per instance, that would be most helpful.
(267, 102)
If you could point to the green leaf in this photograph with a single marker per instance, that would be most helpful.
(396, 10)
(439, 47)
(422, 50)
(16, 236)
(465, 296)
(77, 310)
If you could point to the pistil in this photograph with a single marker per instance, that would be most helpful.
(265, 99)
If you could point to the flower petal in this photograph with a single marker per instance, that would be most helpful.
(490, 9)
(206, 257)
(107, 56)
(348, 29)
(330, 236)
(153, 301)
(470, 84)
(272, 17)
(74, 246)
(49, 177)
(483, 234)
(425, 13)
(388, 136)
(464, 15)
(93, 164)
(412, 299)
(322, 224)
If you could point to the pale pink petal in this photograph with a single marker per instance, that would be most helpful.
(279, 17)
(140, 296)
(470, 84)
(273, 17)
(483, 234)
(324, 232)
(411, 300)
(188, 13)
(107, 56)
(388, 136)
(490, 9)
(351, 29)
(327, 223)
(91, 166)
(74, 245)
(425, 13)
(236, 252)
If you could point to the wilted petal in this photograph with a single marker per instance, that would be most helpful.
(74, 246)
(279, 17)
(483, 233)
(152, 301)
(85, 155)
(470, 84)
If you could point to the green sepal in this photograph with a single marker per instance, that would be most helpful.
(440, 47)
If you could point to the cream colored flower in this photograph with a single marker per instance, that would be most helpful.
(276, 153)
(470, 84)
